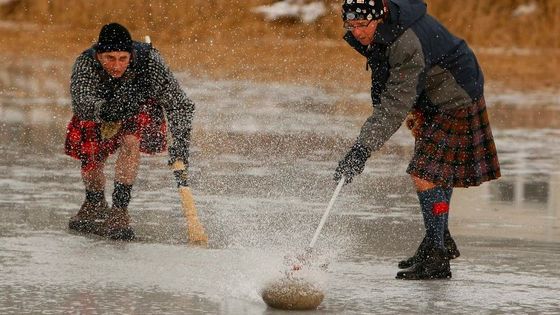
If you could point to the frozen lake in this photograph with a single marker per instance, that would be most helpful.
(262, 162)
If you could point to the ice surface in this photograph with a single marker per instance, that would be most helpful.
(261, 167)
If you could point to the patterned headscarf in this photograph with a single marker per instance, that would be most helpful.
(363, 10)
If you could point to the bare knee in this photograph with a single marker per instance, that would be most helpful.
(130, 146)
(421, 184)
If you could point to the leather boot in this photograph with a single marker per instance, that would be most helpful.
(90, 217)
(117, 225)
(418, 256)
(434, 266)
(448, 242)
(450, 246)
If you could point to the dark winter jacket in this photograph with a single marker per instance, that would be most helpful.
(414, 61)
(147, 77)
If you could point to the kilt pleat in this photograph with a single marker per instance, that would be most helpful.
(455, 148)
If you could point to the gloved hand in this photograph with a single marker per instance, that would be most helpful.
(178, 152)
(352, 164)
(181, 176)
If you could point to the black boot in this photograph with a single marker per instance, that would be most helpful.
(450, 246)
(434, 266)
(418, 256)
(448, 242)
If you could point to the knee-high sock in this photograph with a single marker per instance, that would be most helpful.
(448, 192)
(434, 207)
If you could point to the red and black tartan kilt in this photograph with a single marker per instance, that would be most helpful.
(83, 138)
(455, 148)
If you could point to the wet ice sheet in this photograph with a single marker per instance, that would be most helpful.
(58, 272)
(261, 173)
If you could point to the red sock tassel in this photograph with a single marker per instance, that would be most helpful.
(440, 208)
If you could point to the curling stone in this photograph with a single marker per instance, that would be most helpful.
(292, 294)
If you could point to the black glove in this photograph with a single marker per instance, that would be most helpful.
(352, 164)
(178, 151)
(181, 176)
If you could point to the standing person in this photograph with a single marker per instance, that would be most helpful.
(420, 69)
(121, 90)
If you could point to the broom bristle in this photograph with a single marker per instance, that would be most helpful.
(196, 234)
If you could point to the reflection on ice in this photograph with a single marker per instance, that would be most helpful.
(520, 190)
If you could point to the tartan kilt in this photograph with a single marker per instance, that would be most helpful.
(84, 142)
(455, 148)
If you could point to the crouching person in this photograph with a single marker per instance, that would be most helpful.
(122, 93)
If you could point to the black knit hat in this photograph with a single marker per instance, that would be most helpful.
(114, 37)
(363, 10)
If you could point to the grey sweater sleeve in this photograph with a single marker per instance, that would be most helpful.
(407, 64)
(178, 107)
(84, 89)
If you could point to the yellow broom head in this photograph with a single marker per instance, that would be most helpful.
(196, 234)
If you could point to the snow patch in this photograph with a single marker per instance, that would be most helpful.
(525, 9)
(298, 9)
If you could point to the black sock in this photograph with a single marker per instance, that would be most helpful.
(448, 193)
(121, 195)
(95, 196)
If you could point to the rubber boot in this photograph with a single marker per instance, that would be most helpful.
(117, 225)
(450, 246)
(90, 217)
(434, 266)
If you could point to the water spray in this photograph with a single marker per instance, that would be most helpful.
(295, 293)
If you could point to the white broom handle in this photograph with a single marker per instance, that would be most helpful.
(326, 214)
